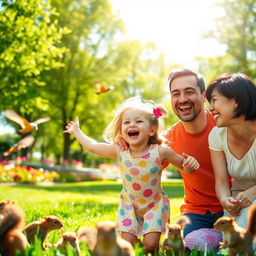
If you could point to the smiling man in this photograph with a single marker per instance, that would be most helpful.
(190, 135)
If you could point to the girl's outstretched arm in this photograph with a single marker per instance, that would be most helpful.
(183, 162)
(100, 149)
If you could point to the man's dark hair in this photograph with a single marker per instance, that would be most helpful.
(179, 72)
(237, 86)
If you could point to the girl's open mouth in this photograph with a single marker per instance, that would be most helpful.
(133, 134)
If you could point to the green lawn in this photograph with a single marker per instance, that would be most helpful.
(78, 204)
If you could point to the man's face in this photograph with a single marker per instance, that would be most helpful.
(186, 99)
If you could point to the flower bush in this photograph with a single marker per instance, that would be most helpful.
(20, 172)
(72, 176)
(74, 163)
(10, 172)
(110, 168)
(77, 164)
(48, 161)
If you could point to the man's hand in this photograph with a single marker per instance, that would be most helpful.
(121, 143)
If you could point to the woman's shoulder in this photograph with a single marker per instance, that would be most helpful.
(217, 138)
(218, 131)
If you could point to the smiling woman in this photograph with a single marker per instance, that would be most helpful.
(175, 26)
(233, 143)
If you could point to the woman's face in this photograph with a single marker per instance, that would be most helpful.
(222, 108)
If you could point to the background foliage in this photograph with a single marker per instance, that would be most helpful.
(52, 54)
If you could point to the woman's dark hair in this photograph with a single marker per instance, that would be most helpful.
(237, 86)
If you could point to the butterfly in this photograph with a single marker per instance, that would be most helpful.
(101, 88)
(23, 143)
(26, 126)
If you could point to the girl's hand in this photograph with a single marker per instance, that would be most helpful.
(190, 164)
(232, 205)
(245, 198)
(71, 127)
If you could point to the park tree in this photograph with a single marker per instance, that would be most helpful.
(236, 29)
(95, 57)
(145, 72)
(70, 90)
(29, 45)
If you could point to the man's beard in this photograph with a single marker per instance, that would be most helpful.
(191, 118)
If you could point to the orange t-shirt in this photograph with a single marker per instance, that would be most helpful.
(199, 187)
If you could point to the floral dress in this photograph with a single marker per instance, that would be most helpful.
(144, 207)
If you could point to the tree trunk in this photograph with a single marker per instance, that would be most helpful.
(66, 147)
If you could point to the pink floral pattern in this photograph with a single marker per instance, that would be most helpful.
(127, 222)
(147, 192)
(136, 186)
(135, 171)
(143, 207)
(146, 156)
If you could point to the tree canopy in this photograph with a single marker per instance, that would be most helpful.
(29, 39)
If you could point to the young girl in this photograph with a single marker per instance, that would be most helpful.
(144, 206)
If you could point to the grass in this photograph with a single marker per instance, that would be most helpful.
(77, 204)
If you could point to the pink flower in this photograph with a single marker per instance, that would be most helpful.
(149, 216)
(65, 161)
(146, 156)
(127, 222)
(134, 171)
(136, 186)
(157, 112)
(147, 192)
(151, 205)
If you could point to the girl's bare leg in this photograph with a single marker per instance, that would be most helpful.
(151, 242)
(130, 238)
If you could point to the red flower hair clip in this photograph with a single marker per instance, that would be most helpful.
(157, 112)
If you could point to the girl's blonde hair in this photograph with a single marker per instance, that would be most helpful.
(113, 131)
